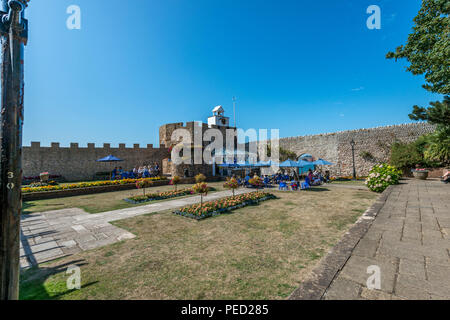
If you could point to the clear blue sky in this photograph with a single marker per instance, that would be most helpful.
(305, 67)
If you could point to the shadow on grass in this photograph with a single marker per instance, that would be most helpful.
(34, 284)
(316, 189)
(25, 206)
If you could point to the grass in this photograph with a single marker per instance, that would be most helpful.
(258, 252)
(101, 202)
(350, 182)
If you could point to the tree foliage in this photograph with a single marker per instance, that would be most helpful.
(428, 52)
(406, 155)
(428, 46)
(438, 149)
(438, 113)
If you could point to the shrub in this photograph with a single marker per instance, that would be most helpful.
(367, 156)
(200, 178)
(406, 155)
(438, 149)
(381, 176)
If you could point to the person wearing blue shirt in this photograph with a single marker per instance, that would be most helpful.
(114, 173)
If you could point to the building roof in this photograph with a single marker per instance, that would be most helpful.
(218, 109)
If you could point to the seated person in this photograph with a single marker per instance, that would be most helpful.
(146, 173)
(327, 176)
(306, 184)
(446, 176)
(114, 173)
(294, 185)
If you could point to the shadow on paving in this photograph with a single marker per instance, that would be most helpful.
(33, 284)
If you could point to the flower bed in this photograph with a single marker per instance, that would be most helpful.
(159, 196)
(225, 205)
(86, 185)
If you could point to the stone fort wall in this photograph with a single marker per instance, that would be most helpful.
(371, 146)
(75, 163)
(78, 163)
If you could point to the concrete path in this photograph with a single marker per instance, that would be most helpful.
(53, 234)
(409, 241)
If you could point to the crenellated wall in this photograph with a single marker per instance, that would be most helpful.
(78, 163)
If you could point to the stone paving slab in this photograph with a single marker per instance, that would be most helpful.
(407, 240)
(54, 234)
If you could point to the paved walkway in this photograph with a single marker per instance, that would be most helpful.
(409, 240)
(53, 234)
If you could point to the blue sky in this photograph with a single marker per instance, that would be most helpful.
(304, 67)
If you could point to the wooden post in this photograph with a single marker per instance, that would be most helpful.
(13, 33)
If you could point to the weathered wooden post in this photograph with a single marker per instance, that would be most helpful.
(13, 33)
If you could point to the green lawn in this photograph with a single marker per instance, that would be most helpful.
(257, 252)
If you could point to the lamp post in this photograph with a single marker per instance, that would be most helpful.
(13, 37)
(352, 143)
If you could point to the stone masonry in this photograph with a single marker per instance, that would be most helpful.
(372, 146)
(75, 163)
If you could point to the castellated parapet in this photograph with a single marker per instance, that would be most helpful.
(79, 163)
(76, 163)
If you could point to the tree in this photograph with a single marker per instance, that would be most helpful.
(428, 53)
(438, 113)
(143, 183)
(200, 178)
(428, 47)
(439, 148)
(175, 181)
(231, 184)
(202, 189)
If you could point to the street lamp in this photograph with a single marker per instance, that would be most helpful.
(13, 37)
(352, 143)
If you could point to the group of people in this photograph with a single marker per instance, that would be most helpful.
(311, 178)
(315, 177)
(137, 172)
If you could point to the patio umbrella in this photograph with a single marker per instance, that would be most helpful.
(227, 165)
(261, 164)
(245, 164)
(292, 164)
(109, 159)
(322, 162)
(289, 164)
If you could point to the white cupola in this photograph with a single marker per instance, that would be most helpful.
(218, 118)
